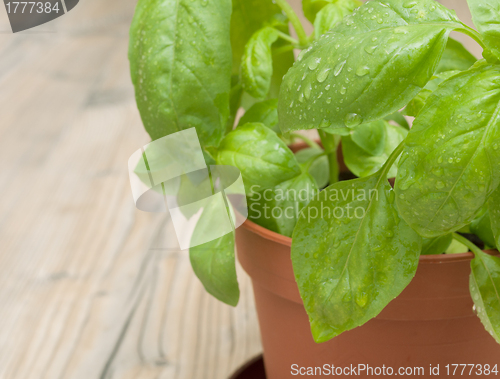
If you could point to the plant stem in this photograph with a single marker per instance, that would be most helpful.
(473, 34)
(392, 158)
(294, 19)
(330, 144)
(286, 37)
(307, 140)
(472, 246)
(283, 49)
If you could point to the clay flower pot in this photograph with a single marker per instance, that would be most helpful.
(430, 325)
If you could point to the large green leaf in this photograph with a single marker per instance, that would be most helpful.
(181, 66)
(214, 264)
(494, 209)
(455, 57)
(352, 254)
(485, 291)
(367, 148)
(257, 63)
(328, 17)
(278, 209)
(447, 171)
(486, 17)
(262, 157)
(368, 67)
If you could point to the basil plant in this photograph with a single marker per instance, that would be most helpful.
(357, 238)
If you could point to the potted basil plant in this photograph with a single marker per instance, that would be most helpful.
(347, 268)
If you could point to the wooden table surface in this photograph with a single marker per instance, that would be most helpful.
(84, 293)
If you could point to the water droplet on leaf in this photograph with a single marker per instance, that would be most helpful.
(323, 75)
(352, 120)
(338, 68)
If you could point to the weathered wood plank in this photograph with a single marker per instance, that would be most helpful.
(85, 290)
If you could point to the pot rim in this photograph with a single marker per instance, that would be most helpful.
(426, 259)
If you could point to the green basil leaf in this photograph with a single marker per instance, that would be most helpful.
(399, 119)
(447, 171)
(248, 17)
(328, 17)
(264, 112)
(369, 66)
(262, 157)
(214, 264)
(319, 170)
(361, 257)
(457, 248)
(494, 209)
(312, 7)
(455, 57)
(486, 16)
(278, 209)
(181, 66)
(435, 246)
(485, 290)
(481, 227)
(363, 162)
(371, 137)
(415, 106)
(257, 63)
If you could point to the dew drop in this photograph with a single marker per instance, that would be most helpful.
(338, 68)
(323, 74)
(343, 90)
(307, 91)
(439, 185)
(438, 171)
(328, 87)
(362, 70)
(352, 120)
(362, 299)
(409, 4)
(370, 49)
(313, 65)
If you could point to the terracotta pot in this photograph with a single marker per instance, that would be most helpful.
(431, 323)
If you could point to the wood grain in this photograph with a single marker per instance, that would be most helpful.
(85, 290)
